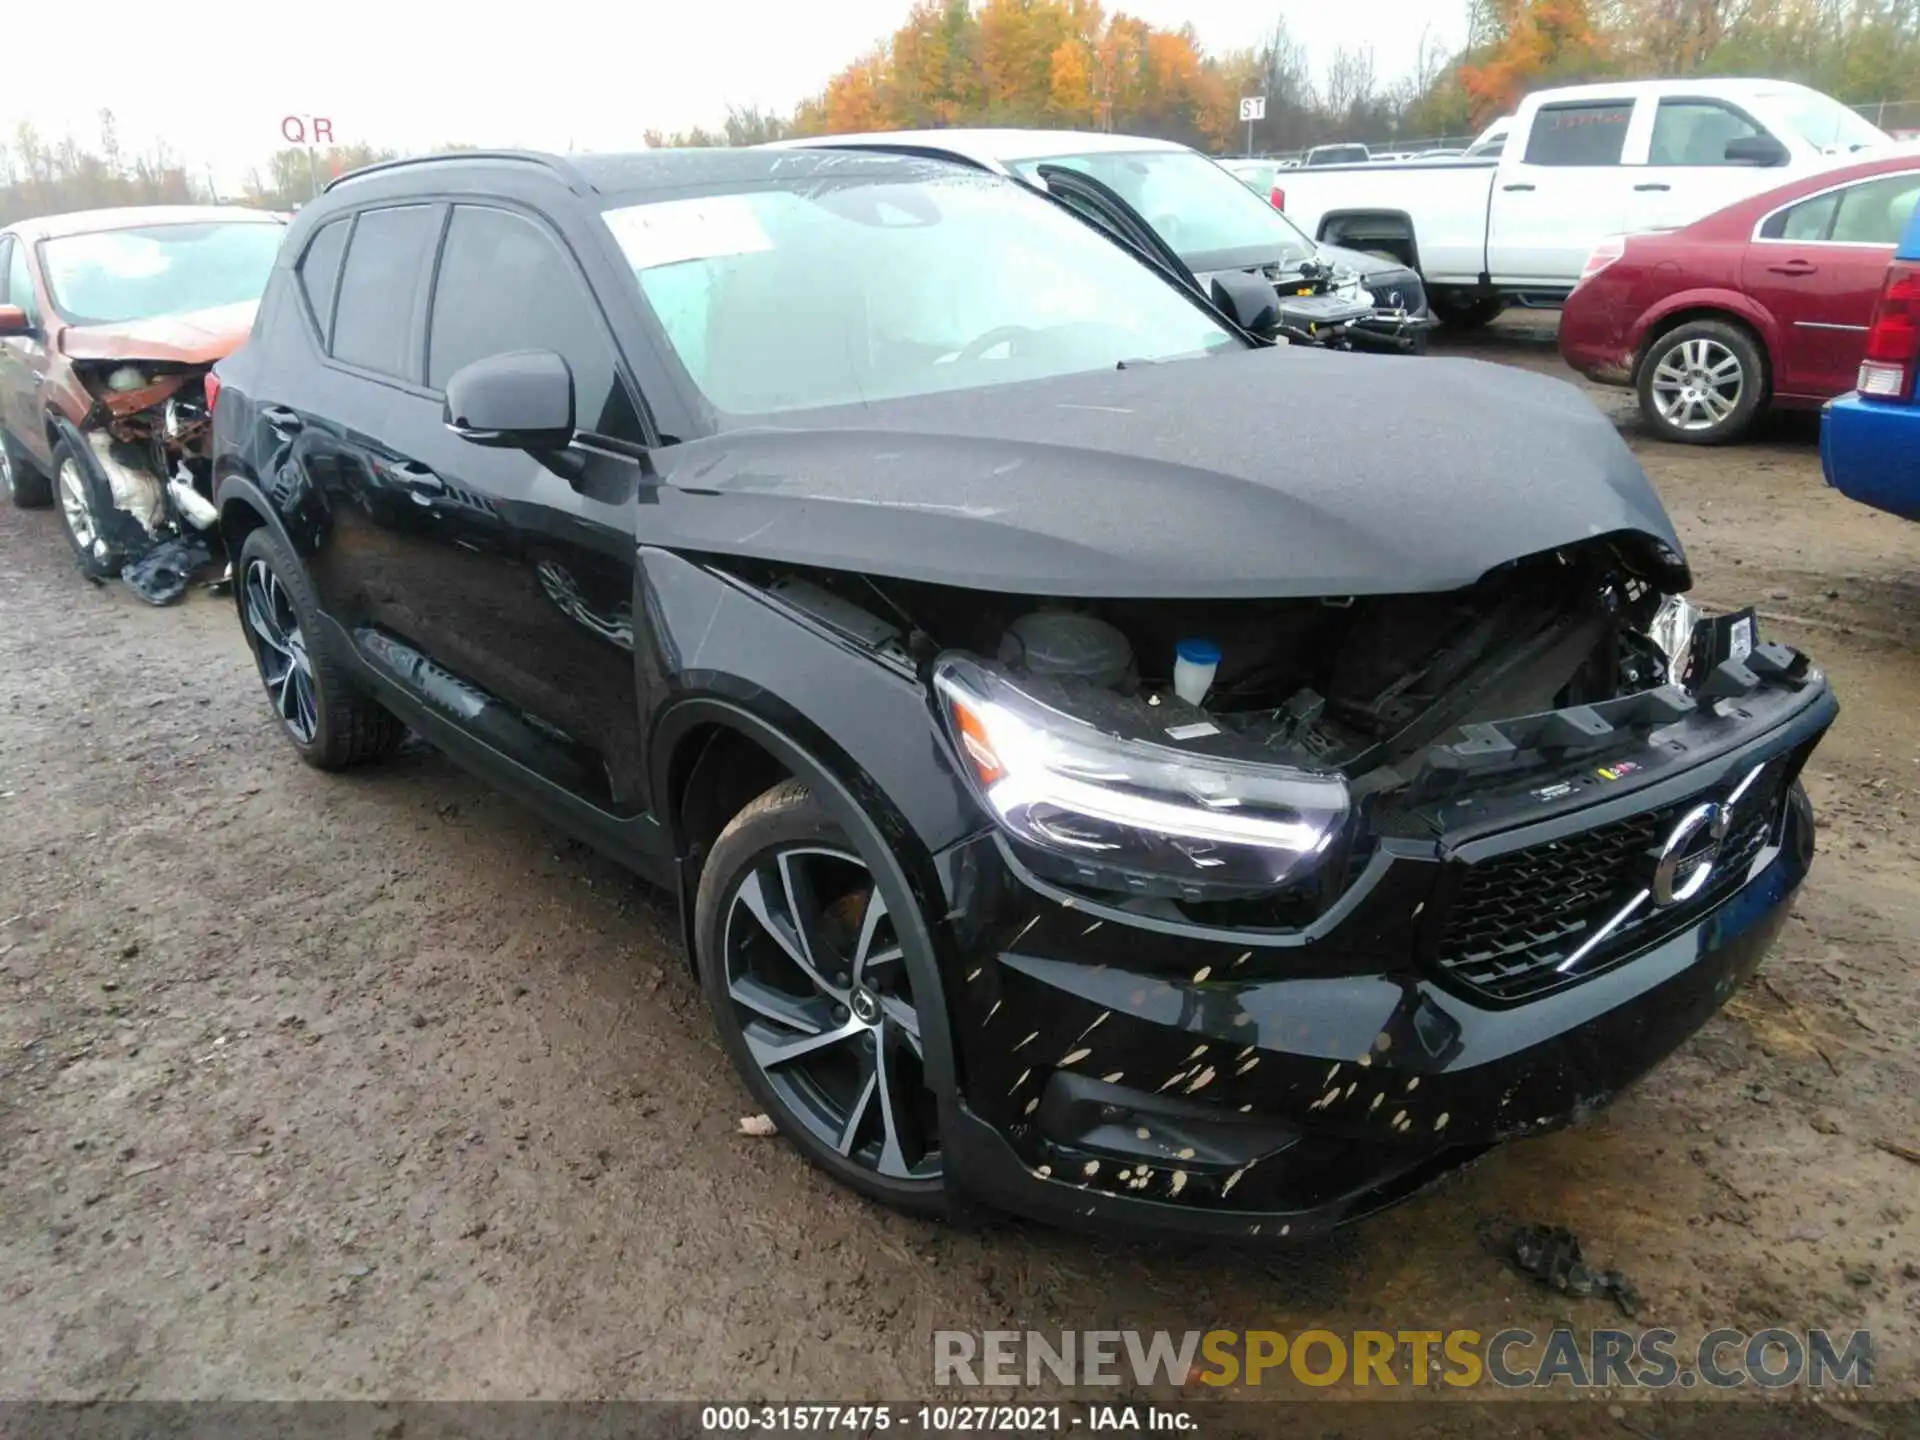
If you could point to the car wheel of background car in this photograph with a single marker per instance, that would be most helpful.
(806, 975)
(1459, 311)
(81, 494)
(27, 488)
(1702, 383)
(332, 724)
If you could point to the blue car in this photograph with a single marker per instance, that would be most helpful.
(1870, 438)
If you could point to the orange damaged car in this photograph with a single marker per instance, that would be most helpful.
(110, 324)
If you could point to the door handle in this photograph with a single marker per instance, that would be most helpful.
(1794, 267)
(1521, 185)
(416, 479)
(280, 418)
(1654, 185)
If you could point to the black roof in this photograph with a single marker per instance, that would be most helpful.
(644, 171)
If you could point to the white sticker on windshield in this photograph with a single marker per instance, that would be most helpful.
(672, 231)
(1740, 640)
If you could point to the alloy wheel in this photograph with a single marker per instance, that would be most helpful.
(1697, 384)
(75, 505)
(818, 981)
(281, 652)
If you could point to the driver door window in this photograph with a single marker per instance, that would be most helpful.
(505, 284)
(20, 283)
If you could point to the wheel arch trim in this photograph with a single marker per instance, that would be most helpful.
(687, 716)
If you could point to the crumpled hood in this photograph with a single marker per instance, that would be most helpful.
(198, 337)
(1275, 473)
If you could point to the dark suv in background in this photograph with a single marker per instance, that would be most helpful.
(1073, 801)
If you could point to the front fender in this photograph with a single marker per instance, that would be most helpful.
(713, 639)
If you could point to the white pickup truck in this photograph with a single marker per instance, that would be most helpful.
(1575, 166)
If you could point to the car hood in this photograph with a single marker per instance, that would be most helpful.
(1275, 473)
(198, 337)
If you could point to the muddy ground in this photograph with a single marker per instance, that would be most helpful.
(377, 1086)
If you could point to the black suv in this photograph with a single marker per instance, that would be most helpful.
(1104, 769)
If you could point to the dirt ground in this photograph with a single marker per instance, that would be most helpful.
(376, 1086)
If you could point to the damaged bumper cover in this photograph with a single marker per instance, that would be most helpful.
(1502, 963)
(144, 454)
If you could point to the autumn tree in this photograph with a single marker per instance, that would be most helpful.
(1533, 43)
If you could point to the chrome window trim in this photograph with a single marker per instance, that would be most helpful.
(1758, 239)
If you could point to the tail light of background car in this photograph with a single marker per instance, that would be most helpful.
(212, 387)
(1893, 340)
(1277, 198)
(1604, 254)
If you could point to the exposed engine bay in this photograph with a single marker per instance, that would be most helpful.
(1358, 684)
(147, 434)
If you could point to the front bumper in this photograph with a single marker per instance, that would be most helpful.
(1163, 1078)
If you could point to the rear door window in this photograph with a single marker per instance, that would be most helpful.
(505, 284)
(381, 287)
(320, 271)
(1587, 133)
(1875, 212)
(1806, 222)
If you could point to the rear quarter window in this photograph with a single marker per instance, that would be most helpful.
(320, 271)
(382, 289)
(1589, 133)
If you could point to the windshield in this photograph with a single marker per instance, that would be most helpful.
(859, 290)
(112, 276)
(1208, 218)
(1825, 123)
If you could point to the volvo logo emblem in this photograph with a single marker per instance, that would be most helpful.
(1687, 859)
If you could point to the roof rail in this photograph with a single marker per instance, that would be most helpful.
(554, 163)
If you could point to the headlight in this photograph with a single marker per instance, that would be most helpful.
(1130, 814)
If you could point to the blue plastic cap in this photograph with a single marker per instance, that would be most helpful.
(1198, 652)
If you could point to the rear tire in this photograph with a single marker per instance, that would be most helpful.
(26, 485)
(1458, 311)
(330, 722)
(1702, 383)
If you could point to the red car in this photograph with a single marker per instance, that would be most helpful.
(1763, 303)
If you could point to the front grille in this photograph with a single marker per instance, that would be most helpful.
(1514, 918)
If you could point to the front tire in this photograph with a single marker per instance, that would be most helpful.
(805, 972)
(84, 499)
(26, 486)
(1702, 383)
(332, 724)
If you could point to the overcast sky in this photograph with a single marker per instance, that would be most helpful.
(215, 77)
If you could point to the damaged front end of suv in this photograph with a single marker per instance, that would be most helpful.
(1346, 820)
(135, 488)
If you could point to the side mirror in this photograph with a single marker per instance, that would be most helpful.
(521, 400)
(1249, 299)
(1756, 150)
(14, 321)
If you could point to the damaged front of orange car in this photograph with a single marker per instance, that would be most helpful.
(110, 325)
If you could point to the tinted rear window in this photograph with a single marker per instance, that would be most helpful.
(373, 322)
(1589, 134)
